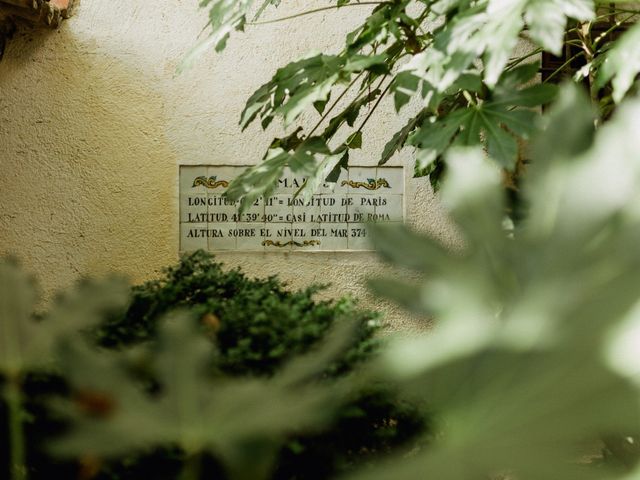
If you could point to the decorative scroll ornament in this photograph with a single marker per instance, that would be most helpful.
(278, 243)
(211, 182)
(370, 184)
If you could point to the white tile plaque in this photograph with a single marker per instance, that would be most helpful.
(334, 219)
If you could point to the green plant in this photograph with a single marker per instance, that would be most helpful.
(454, 58)
(253, 329)
(242, 422)
(29, 343)
(535, 355)
(191, 409)
(258, 323)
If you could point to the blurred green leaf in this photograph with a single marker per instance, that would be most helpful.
(622, 63)
(533, 354)
(26, 342)
(233, 418)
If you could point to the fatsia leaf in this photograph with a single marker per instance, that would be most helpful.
(535, 345)
(470, 131)
(433, 137)
(622, 63)
(303, 83)
(404, 86)
(502, 412)
(404, 294)
(569, 129)
(358, 63)
(516, 76)
(611, 167)
(473, 196)
(465, 125)
(501, 145)
(398, 244)
(547, 20)
(225, 16)
(527, 97)
(399, 139)
(195, 411)
(379, 27)
(258, 181)
(349, 114)
(489, 30)
(303, 158)
(306, 97)
(354, 140)
(494, 121)
(27, 343)
(499, 36)
(322, 172)
(261, 180)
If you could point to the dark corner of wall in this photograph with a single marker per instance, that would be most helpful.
(34, 13)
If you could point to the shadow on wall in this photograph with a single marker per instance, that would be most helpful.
(87, 182)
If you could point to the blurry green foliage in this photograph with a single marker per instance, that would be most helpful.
(252, 329)
(536, 354)
(258, 325)
(241, 421)
(29, 343)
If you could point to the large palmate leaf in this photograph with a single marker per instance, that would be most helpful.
(495, 122)
(622, 63)
(489, 30)
(304, 83)
(27, 342)
(384, 24)
(242, 421)
(527, 361)
(547, 20)
(306, 157)
(399, 139)
(435, 50)
(225, 16)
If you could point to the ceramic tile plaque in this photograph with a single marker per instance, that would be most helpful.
(334, 219)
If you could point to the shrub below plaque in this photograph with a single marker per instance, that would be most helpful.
(254, 327)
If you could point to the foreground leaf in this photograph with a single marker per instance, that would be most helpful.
(622, 63)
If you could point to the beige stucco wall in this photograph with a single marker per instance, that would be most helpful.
(94, 124)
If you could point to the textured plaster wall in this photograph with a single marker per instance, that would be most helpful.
(94, 124)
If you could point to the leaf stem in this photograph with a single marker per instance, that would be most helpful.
(521, 59)
(561, 67)
(615, 11)
(16, 430)
(315, 10)
(614, 27)
(334, 104)
(469, 98)
(192, 467)
(375, 105)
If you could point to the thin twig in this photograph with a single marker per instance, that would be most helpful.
(561, 67)
(315, 10)
(375, 105)
(335, 103)
(613, 27)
